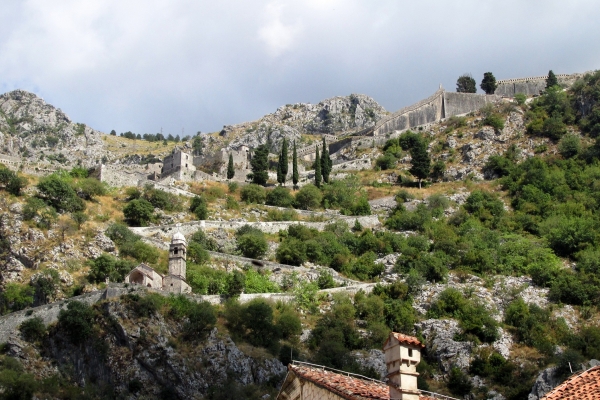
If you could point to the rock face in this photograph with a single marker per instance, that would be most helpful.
(149, 352)
(544, 383)
(331, 116)
(30, 126)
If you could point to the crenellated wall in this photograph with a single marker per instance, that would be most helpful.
(438, 106)
(532, 86)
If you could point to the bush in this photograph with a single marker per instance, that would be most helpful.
(291, 251)
(197, 254)
(259, 282)
(280, 197)
(201, 320)
(386, 161)
(139, 212)
(162, 200)
(58, 193)
(199, 207)
(289, 324)
(200, 237)
(252, 245)
(89, 188)
(77, 321)
(309, 197)
(232, 187)
(569, 146)
(253, 194)
(107, 266)
(142, 252)
(33, 329)
(120, 234)
(458, 382)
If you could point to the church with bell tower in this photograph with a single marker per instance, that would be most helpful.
(174, 281)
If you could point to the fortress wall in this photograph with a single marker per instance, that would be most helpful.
(423, 112)
(117, 178)
(532, 86)
(463, 103)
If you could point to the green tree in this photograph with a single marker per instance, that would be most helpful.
(80, 218)
(295, 175)
(421, 163)
(438, 170)
(551, 80)
(253, 194)
(308, 198)
(252, 245)
(260, 165)
(57, 193)
(279, 197)
(488, 84)
(282, 164)
(318, 170)
(326, 163)
(199, 207)
(198, 144)
(77, 320)
(466, 84)
(230, 168)
(139, 212)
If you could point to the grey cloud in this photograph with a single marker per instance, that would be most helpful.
(139, 66)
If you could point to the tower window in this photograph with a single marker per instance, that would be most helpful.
(175, 251)
(410, 352)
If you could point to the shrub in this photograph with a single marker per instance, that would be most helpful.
(141, 251)
(107, 266)
(120, 234)
(291, 251)
(200, 237)
(280, 197)
(89, 188)
(569, 146)
(232, 187)
(252, 245)
(325, 280)
(289, 324)
(253, 194)
(520, 98)
(201, 320)
(77, 321)
(386, 161)
(458, 382)
(139, 212)
(197, 254)
(15, 297)
(58, 193)
(309, 197)
(199, 207)
(33, 329)
(161, 199)
(257, 282)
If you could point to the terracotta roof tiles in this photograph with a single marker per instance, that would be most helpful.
(583, 386)
(346, 386)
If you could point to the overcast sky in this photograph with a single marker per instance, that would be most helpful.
(143, 65)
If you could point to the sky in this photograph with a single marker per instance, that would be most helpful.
(185, 66)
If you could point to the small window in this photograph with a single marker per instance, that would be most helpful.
(175, 251)
(410, 352)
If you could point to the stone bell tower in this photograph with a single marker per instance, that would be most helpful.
(177, 252)
(402, 355)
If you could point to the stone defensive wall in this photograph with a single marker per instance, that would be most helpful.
(436, 107)
(310, 150)
(9, 324)
(188, 228)
(17, 164)
(532, 86)
(463, 103)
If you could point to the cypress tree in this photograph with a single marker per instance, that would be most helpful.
(317, 168)
(551, 80)
(421, 163)
(284, 159)
(488, 84)
(260, 165)
(295, 175)
(279, 173)
(230, 169)
(325, 162)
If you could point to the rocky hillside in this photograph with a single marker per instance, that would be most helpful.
(334, 116)
(36, 131)
(493, 263)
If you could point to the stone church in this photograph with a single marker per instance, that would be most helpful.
(174, 281)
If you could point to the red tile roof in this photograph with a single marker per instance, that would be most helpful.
(346, 386)
(405, 339)
(583, 386)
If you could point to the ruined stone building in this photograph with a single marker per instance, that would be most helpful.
(402, 355)
(174, 281)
